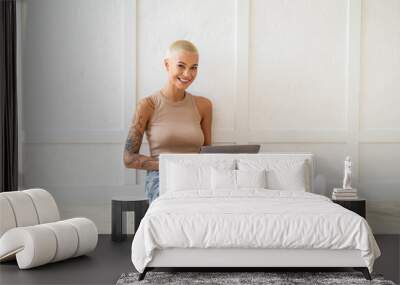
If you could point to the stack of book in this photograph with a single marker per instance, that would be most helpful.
(344, 194)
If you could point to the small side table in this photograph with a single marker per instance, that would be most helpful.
(122, 204)
(358, 206)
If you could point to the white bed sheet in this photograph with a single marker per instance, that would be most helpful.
(250, 218)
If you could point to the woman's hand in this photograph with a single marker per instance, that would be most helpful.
(132, 158)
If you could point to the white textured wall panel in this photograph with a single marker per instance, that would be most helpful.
(298, 64)
(380, 184)
(379, 114)
(285, 74)
(210, 26)
(380, 162)
(72, 65)
(73, 164)
(380, 166)
(381, 65)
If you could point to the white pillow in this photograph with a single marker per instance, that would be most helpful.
(226, 179)
(188, 175)
(223, 179)
(251, 178)
(182, 177)
(282, 174)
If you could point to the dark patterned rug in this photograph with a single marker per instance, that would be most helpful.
(273, 278)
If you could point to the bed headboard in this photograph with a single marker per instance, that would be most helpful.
(210, 157)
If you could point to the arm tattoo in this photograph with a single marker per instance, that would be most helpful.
(132, 147)
(133, 141)
(135, 135)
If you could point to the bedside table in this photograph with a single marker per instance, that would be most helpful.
(357, 205)
(122, 204)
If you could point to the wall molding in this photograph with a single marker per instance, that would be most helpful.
(353, 83)
(130, 77)
(242, 42)
(83, 136)
(379, 136)
(298, 136)
(219, 136)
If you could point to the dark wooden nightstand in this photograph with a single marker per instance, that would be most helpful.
(122, 204)
(358, 206)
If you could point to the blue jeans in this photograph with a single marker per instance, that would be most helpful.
(151, 186)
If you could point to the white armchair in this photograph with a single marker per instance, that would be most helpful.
(31, 230)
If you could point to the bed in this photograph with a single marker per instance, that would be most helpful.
(248, 210)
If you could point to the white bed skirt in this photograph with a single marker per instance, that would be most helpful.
(196, 257)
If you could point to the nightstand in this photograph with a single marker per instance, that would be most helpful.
(357, 205)
(122, 204)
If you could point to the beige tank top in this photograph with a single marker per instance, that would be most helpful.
(174, 127)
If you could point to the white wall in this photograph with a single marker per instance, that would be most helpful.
(74, 96)
(307, 75)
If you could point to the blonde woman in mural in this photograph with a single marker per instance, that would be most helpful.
(174, 120)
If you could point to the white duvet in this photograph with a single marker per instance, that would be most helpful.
(251, 218)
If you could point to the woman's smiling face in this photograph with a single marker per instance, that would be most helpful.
(182, 68)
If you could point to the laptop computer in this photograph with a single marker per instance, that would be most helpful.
(251, 148)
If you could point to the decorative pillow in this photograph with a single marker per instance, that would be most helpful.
(183, 177)
(189, 175)
(251, 178)
(223, 179)
(226, 179)
(282, 174)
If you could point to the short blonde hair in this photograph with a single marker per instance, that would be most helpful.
(180, 45)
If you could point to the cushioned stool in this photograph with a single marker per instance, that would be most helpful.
(31, 230)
